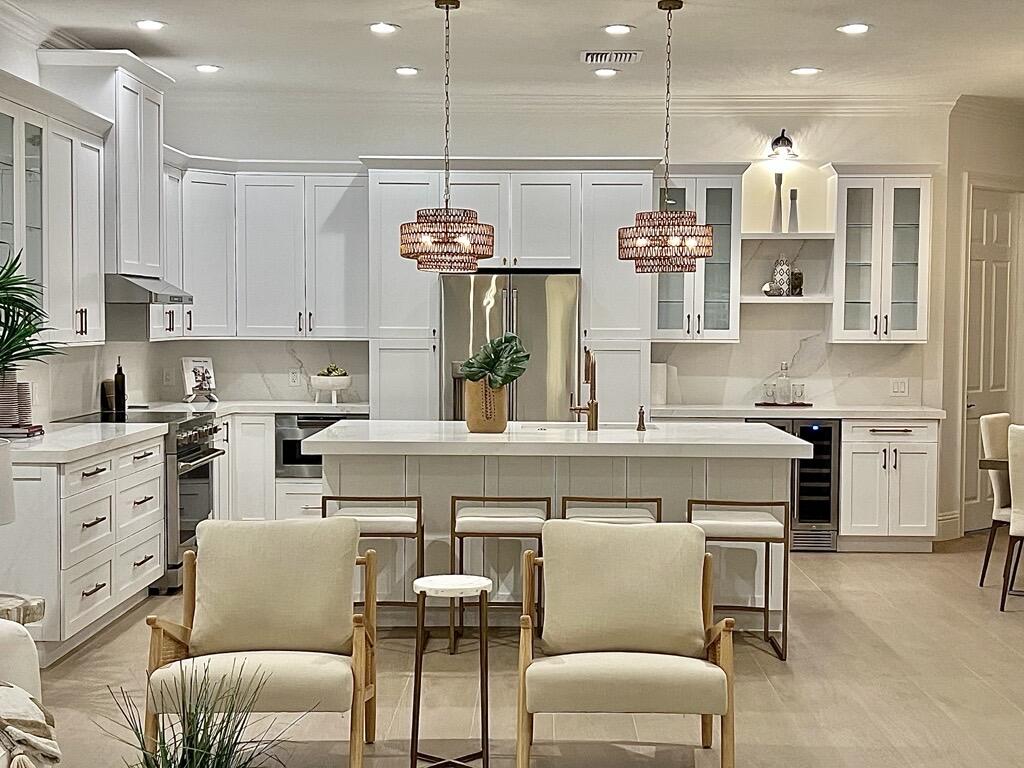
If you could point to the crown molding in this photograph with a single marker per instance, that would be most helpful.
(1008, 112)
(183, 161)
(40, 34)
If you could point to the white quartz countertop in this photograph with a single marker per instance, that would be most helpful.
(230, 407)
(64, 443)
(451, 438)
(898, 412)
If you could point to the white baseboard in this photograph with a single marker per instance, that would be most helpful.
(884, 544)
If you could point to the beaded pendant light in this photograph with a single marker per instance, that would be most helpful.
(446, 239)
(666, 241)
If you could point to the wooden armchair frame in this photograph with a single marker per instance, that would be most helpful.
(169, 642)
(717, 645)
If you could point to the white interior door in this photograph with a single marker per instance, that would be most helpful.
(991, 301)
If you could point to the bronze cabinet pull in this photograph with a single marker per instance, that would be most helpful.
(300, 322)
(93, 524)
(141, 456)
(94, 590)
(188, 315)
(687, 323)
(142, 501)
(886, 319)
(895, 457)
(309, 323)
(698, 323)
(890, 431)
(143, 561)
(885, 455)
(94, 472)
(875, 332)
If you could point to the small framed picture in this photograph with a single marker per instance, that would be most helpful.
(197, 373)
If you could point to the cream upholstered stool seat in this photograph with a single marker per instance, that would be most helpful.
(739, 523)
(510, 521)
(995, 429)
(628, 510)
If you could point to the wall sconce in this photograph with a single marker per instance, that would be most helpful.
(782, 147)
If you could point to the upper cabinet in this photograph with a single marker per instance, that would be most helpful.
(883, 239)
(167, 321)
(704, 305)
(208, 272)
(22, 202)
(487, 193)
(546, 220)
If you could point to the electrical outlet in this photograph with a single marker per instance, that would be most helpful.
(294, 377)
(899, 387)
(168, 377)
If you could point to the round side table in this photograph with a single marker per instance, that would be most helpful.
(21, 609)
(449, 587)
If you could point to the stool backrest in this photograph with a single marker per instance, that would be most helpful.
(1015, 440)
(994, 430)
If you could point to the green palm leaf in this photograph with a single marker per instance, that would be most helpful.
(501, 361)
(22, 318)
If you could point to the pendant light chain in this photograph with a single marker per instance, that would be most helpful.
(447, 107)
(668, 95)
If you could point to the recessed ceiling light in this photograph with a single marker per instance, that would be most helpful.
(619, 29)
(805, 71)
(857, 28)
(406, 71)
(606, 72)
(150, 25)
(207, 69)
(384, 28)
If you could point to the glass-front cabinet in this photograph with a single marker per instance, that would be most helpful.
(881, 257)
(21, 188)
(704, 305)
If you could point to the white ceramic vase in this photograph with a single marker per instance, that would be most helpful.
(332, 384)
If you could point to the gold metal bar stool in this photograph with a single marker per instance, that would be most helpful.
(382, 517)
(625, 510)
(476, 520)
(741, 521)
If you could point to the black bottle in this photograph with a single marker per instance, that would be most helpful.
(120, 393)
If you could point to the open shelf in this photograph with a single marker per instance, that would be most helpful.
(762, 299)
(788, 236)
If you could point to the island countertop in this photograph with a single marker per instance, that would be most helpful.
(662, 440)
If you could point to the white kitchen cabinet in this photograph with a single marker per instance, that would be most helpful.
(167, 321)
(546, 220)
(615, 300)
(222, 472)
(704, 305)
(269, 224)
(404, 379)
(298, 499)
(337, 265)
(251, 467)
(208, 255)
(487, 193)
(404, 301)
(623, 379)
(882, 256)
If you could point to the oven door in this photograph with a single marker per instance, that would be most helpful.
(197, 495)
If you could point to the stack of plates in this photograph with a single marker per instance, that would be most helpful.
(24, 404)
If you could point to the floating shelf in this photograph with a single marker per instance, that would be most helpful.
(788, 236)
(762, 299)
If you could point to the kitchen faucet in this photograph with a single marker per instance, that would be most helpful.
(589, 377)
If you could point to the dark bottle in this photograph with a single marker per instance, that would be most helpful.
(120, 393)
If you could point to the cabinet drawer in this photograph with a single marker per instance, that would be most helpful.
(140, 501)
(140, 457)
(87, 524)
(85, 474)
(865, 431)
(138, 561)
(298, 500)
(87, 591)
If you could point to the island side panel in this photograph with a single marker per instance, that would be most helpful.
(673, 480)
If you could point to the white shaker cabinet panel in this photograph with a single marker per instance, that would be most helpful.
(405, 302)
(912, 510)
(864, 489)
(89, 237)
(167, 321)
(269, 242)
(546, 217)
(616, 300)
(208, 266)
(404, 379)
(337, 257)
(251, 460)
(488, 194)
(623, 379)
(65, 319)
(151, 142)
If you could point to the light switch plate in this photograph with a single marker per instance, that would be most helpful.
(294, 377)
(899, 387)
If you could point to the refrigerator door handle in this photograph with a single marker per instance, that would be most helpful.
(514, 399)
(505, 328)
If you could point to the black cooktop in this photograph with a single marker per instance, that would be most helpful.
(136, 416)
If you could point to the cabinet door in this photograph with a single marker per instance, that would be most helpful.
(89, 237)
(128, 140)
(252, 467)
(905, 247)
(858, 260)
(208, 255)
(546, 217)
(271, 282)
(616, 300)
(674, 309)
(65, 316)
(404, 301)
(222, 473)
(10, 201)
(864, 489)
(337, 257)
(717, 280)
(404, 379)
(166, 321)
(151, 149)
(912, 481)
(488, 195)
(623, 379)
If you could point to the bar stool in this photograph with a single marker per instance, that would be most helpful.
(452, 587)
(479, 521)
(383, 517)
(624, 514)
(739, 521)
(995, 428)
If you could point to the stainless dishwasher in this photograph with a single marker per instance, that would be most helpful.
(289, 432)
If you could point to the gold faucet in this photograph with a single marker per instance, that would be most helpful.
(589, 377)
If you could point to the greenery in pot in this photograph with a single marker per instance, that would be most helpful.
(22, 319)
(501, 361)
(333, 370)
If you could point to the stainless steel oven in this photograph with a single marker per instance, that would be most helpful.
(290, 431)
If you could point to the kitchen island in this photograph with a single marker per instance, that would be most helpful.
(438, 459)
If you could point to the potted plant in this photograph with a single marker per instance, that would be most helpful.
(333, 379)
(488, 373)
(22, 323)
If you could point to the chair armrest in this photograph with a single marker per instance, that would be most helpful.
(168, 642)
(525, 643)
(713, 636)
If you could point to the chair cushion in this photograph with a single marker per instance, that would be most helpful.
(623, 588)
(380, 519)
(1002, 514)
(1015, 441)
(283, 585)
(499, 520)
(625, 682)
(611, 514)
(293, 681)
(738, 523)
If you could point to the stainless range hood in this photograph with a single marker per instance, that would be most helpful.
(128, 289)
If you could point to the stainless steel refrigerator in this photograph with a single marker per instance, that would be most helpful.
(542, 308)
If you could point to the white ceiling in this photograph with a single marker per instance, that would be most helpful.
(917, 48)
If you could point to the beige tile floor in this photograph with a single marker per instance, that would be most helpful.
(895, 661)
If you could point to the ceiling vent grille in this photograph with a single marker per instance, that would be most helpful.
(611, 57)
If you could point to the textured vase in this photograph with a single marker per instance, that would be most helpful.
(8, 398)
(794, 216)
(777, 205)
(486, 408)
(782, 276)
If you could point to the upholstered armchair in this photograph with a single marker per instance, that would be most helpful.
(627, 628)
(271, 603)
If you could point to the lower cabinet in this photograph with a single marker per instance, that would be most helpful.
(404, 379)
(299, 499)
(251, 467)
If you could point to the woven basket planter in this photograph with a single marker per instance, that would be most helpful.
(486, 408)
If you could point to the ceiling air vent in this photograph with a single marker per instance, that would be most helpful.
(611, 57)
